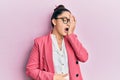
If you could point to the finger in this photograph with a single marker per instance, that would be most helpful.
(71, 17)
(62, 79)
(64, 75)
(74, 18)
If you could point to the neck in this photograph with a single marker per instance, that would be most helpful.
(57, 34)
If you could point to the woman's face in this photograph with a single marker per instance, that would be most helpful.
(63, 23)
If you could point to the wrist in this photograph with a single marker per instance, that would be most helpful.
(70, 32)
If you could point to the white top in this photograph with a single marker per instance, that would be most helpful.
(60, 58)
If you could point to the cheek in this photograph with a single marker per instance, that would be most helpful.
(60, 26)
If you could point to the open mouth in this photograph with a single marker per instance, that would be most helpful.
(66, 29)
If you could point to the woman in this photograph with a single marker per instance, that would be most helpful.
(55, 56)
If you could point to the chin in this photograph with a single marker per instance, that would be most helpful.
(64, 34)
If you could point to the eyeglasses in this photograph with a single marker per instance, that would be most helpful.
(64, 19)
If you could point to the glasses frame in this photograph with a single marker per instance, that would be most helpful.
(62, 18)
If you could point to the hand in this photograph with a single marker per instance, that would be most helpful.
(60, 76)
(72, 24)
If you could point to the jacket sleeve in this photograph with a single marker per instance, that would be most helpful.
(33, 66)
(79, 50)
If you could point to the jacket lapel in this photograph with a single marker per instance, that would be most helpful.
(67, 45)
(48, 53)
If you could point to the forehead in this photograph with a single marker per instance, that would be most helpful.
(65, 14)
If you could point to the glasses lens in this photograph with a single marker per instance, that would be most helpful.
(65, 20)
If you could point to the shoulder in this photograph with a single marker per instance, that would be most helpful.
(41, 39)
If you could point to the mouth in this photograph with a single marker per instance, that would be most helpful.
(66, 29)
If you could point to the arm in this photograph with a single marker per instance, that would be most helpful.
(33, 66)
(79, 50)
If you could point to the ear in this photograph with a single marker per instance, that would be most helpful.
(54, 21)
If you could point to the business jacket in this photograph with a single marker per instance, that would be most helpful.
(40, 64)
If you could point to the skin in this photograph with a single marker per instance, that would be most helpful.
(59, 31)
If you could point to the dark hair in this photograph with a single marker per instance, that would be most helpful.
(57, 11)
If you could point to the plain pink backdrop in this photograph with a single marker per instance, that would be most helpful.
(98, 28)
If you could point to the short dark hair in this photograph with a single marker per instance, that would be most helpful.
(57, 11)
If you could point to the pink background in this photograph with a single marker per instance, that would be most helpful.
(98, 28)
